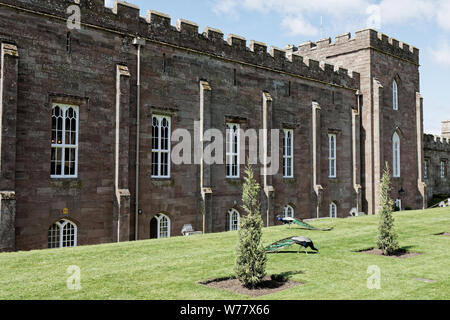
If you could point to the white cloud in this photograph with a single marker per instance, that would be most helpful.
(297, 16)
(403, 11)
(443, 15)
(442, 54)
(225, 7)
(298, 26)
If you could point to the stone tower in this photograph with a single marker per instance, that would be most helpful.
(381, 60)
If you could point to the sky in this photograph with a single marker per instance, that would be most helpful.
(424, 24)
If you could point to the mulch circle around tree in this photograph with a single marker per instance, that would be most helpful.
(268, 286)
(400, 254)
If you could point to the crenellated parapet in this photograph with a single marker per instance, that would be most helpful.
(124, 19)
(437, 143)
(363, 39)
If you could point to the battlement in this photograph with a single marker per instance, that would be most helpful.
(432, 142)
(366, 38)
(124, 18)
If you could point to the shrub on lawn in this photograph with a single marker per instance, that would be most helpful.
(387, 237)
(250, 266)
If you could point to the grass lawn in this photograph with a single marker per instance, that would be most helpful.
(170, 268)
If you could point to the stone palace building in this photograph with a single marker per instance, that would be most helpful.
(91, 98)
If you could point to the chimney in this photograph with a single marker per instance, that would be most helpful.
(446, 129)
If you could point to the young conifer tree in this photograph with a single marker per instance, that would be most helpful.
(250, 265)
(387, 237)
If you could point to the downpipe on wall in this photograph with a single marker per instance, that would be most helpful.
(139, 43)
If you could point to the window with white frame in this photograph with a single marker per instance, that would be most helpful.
(398, 204)
(62, 234)
(288, 153)
(288, 212)
(395, 95)
(64, 161)
(232, 148)
(161, 146)
(332, 156)
(333, 210)
(396, 155)
(234, 219)
(443, 173)
(425, 169)
(163, 225)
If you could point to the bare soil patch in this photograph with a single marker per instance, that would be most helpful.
(400, 254)
(268, 286)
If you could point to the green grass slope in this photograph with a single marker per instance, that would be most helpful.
(171, 268)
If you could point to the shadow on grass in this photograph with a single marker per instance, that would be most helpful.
(402, 250)
(292, 251)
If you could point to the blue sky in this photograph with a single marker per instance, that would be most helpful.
(424, 24)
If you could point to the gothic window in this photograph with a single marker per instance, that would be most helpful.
(62, 234)
(288, 212)
(288, 154)
(234, 219)
(396, 155)
(333, 210)
(68, 43)
(163, 226)
(398, 205)
(443, 171)
(64, 162)
(332, 156)
(232, 146)
(161, 147)
(395, 95)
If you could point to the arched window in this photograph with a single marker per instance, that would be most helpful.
(395, 95)
(161, 136)
(333, 210)
(288, 212)
(396, 155)
(68, 43)
(398, 205)
(62, 234)
(232, 150)
(64, 141)
(288, 153)
(443, 169)
(332, 155)
(234, 219)
(160, 227)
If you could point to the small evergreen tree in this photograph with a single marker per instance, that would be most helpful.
(251, 257)
(387, 237)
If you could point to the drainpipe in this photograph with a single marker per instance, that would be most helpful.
(138, 42)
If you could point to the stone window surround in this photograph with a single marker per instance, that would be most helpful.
(288, 158)
(159, 150)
